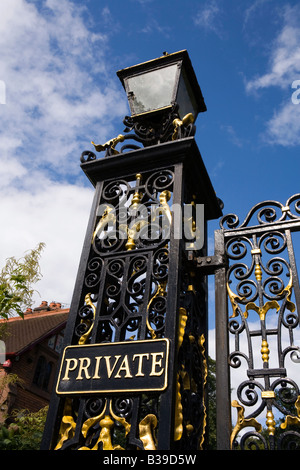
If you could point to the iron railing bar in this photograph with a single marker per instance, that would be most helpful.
(293, 268)
(223, 424)
(292, 225)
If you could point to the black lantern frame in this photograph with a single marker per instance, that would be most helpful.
(183, 81)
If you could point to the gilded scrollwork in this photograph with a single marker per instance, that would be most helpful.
(98, 428)
(191, 408)
(261, 278)
(292, 420)
(146, 431)
(89, 322)
(67, 426)
(242, 422)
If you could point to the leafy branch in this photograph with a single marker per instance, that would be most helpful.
(16, 280)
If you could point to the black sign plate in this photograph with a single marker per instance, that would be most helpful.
(129, 366)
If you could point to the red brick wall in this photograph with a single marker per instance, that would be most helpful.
(28, 395)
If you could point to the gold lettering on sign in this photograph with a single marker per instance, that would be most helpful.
(145, 370)
(109, 369)
(85, 363)
(69, 368)
(96, 373)
(140, 364)
(124, 366)
(155, 363)
(117, 368)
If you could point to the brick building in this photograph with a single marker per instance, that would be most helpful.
(32, 347)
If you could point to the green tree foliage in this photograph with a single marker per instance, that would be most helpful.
(25, 432)
(16, 282)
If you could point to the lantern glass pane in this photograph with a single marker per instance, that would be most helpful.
(152, 90)
(185, 97)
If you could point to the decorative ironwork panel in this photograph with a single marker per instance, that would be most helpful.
(138, 283)
(192, 370)
(263, 326)
(124, 298)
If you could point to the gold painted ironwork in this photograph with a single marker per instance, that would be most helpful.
(292, 420)
(288, 290)
(164, 197)
(270, 422)
(188, 383)
(268, 394)
(258, 272)
(132, 232)
(107, 217)
(89, 423)
(83, 339)
(67, 425)
(120, 420)
(242, 422)
(136, 199)
(160, 291)
(191, 288)
(177, 123)
(265, 351)
(146, 431)
(110, 143)
(178, 424)
(201, 342)
(262, 311)
(106, 425)
(233, 299)
(181, 324)
(256, 251)
(191, 229)
(106, 420)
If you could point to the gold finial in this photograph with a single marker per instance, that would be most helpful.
(136, 199)
(270, 422)
(110, 143)
(258, 272)
(265, 351)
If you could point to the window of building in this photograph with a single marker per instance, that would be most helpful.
(42, 373)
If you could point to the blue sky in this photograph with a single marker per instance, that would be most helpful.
(58, 64)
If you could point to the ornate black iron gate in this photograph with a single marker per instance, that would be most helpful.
(138, 287)
(133, 374)
(258, 338)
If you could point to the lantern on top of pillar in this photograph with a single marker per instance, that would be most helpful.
(163, 94)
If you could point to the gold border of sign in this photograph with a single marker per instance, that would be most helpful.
(92, 392)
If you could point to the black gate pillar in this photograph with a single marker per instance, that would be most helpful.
(133, 371)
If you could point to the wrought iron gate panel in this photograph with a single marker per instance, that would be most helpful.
(135, 285)
(124, 298)
(259, 336)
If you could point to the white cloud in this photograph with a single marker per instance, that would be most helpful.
(56, 214)
(284, 63)
(283, 127)
(208, 17)
(252, 10)
(60, 95)
(50, 64)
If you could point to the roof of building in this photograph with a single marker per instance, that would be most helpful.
(38, 324)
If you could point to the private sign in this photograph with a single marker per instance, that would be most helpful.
(129, 366)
